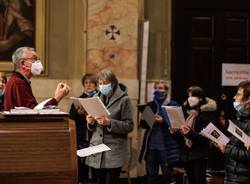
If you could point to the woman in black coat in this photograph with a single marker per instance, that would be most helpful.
(78, 114)
(195, 149)
(237, 155)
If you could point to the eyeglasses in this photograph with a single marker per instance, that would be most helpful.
(32, 58)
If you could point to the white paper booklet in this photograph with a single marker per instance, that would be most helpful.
(214, 134)
(22, 110)
(237, 132)
(148, 116)
(175, 115)
(28, 111)
(93, 106)
(92, 150)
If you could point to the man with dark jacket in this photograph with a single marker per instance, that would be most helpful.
(83, 135)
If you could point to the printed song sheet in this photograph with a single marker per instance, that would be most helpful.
(214, 134)
(93, 106)
(148, 116)
(92, 150)
(237, 132)
(175, 115)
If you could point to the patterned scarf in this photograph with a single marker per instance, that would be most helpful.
(190, 122)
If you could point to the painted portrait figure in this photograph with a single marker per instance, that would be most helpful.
(17, 20)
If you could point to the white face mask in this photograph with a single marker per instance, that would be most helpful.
(193, 101)
(36, 67)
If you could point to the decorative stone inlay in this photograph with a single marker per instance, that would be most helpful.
(112, 32)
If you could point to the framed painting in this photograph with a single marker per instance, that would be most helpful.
(22, 23)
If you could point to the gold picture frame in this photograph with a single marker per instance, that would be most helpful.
(39, 31)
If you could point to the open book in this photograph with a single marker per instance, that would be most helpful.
(92, 106)
(214, 134)
(237, 132)
(92, 150)
(28, 111)
(175, 115)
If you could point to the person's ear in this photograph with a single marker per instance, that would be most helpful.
(247, 102)
(22, 64)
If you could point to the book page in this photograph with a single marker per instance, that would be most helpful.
(41, 104)
(214, 134)
(76, 102)
(148, 116)
(237, 132)
(175, 115)
(94, 106)
(92, 150)
(22, 110)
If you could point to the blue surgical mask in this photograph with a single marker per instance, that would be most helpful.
(238, 106)
(159, 95)
(105, 88)
(1, 92)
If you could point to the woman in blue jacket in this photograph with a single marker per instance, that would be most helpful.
(159, 147)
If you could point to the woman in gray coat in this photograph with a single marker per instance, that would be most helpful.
(111, 130)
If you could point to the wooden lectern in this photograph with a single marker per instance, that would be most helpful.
(37, 149)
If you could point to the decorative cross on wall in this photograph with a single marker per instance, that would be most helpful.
(112, 32)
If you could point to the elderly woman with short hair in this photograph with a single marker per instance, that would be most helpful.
(111, 130)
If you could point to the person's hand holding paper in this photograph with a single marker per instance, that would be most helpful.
(158, 119)
(103, 120)
(185, 129)
(80, 110)
(90, 119)
(247, 145)
(221, 147)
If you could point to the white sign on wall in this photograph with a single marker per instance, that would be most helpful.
(233, 74)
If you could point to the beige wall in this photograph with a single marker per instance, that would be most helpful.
(65, 49)
(158, 13)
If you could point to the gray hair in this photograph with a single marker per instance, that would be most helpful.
(165, 84)
(110, 76)
(17, 56)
